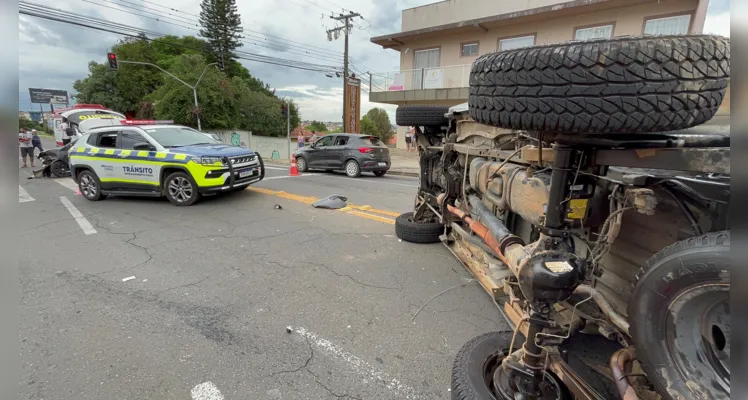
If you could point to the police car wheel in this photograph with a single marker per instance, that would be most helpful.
(89, 186)
(181, 189)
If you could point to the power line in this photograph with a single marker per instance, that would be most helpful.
(39, 11)
(250, 31)
(288, 49)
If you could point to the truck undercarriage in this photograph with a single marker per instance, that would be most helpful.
(606, 252)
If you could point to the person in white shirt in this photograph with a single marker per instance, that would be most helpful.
(27, 148)
(64, 127)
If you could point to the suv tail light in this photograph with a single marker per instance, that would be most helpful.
(365, 149)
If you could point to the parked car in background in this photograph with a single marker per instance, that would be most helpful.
(347, 152)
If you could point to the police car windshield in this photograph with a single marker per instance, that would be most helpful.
(178, 136)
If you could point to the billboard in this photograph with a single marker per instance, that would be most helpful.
(48, 96)
(352, 108)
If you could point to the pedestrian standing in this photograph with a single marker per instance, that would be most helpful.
(408, 138)
(65, 135)
(314, 137)
(301, 140)
(27, 148)
(36, 141)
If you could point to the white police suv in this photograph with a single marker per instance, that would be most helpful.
(155, 158)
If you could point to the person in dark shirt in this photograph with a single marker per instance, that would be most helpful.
(36, 141)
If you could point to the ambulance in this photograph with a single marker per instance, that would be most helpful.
(75, 115)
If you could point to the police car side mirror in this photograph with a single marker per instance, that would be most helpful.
(144, 146)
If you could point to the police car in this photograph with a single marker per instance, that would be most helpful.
(156, 158)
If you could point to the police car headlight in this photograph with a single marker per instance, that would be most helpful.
(210, 160)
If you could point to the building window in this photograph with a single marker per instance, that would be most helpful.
(517, 42)
(594, 32)
(676, 25)
(469, 49)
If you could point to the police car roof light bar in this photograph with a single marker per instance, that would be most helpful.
(146, 122)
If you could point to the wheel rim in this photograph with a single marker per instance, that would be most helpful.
(301, 163)
(88, 186)
(698, 334)
(498, 378)
(180, 189)
(57, 169)
(351, 168)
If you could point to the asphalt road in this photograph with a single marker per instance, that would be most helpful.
(217, 284)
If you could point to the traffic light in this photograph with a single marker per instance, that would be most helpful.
(113, 65)
(284, 110)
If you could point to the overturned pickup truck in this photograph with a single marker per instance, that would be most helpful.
(585, 189)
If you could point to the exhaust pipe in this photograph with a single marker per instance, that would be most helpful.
(618, 366)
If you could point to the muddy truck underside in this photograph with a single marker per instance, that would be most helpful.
(603, 240)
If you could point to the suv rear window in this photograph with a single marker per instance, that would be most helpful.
(372, 141)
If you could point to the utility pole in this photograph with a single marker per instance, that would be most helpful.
(193, 87)
(346, 28)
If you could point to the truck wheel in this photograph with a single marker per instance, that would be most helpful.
(417, 232)
(680, 318)
(421, 115)
(475, 363)
(623, 85)
(90, 186)
(181, 189)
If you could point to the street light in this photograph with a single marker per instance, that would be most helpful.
(193, 87)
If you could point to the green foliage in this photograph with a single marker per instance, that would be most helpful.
(317, 126)
(27, 124)
(222, 27)
(226, 100)
(381, 121)
(368, 127)
(337, 130)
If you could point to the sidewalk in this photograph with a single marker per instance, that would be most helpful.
(403, 163)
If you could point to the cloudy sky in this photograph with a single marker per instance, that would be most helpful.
(53, 55)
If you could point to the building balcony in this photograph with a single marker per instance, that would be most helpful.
(442, 85)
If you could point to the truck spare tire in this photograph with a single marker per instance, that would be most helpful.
(421, 115)
(622, 85)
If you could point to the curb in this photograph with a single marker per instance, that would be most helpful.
(390, 172)
(403, 173)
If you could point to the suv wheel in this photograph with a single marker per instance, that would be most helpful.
(181, 189)
(352, 169)
(90, 186)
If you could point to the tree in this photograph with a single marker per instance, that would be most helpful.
(381, 121)
(222, 27)
(317, 126)
(368, 127)
(100, 87)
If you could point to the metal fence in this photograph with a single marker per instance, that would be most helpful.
(454, 76)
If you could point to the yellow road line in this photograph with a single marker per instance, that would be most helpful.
(359, 211)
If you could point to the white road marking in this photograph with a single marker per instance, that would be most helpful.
(23, 195)
(358, 365)
(129, 278)
(88, 229)
(206, 391)
(276, 168)
(68, 183)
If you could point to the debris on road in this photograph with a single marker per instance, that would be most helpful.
(289, 329)
(278, 207)
(333, 202)
(129, 278)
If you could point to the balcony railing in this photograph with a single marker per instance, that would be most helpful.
(452, 76)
